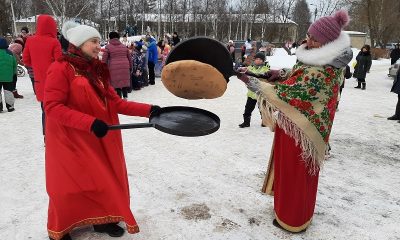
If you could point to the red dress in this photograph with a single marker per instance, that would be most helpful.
(86, 177)
(295, 190)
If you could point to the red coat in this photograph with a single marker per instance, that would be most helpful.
(41, 50)
(119, 62)
(86, 177)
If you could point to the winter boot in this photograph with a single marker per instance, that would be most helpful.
(16, 95)
(245, 123)
(65, 237)
(394, 117)
(112, 229)
(358, 85)
(10, 108)
(363, 86)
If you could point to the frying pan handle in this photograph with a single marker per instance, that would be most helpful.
(130, 125)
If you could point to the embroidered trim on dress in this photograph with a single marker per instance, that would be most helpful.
(93, 221)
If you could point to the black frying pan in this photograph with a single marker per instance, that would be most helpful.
(180, 121)
(205, 50)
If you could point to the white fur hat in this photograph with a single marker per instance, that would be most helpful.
(77, 34)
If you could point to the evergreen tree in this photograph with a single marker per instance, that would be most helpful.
(302, 16)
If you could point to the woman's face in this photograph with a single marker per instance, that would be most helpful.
(91, 47)
(364, 49)
(312, 43)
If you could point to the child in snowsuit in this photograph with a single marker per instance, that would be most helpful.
(138, 67)
(258, 67)
(8, 67)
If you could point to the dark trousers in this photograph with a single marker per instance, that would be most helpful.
(43, 118)
(33, 84)
(137, 82)
(361, 80)
(397, 113)
(122, 92)
(152, 75)
(250, 105)
(14, 82)
(8, 95)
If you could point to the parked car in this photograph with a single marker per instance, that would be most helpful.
(391, 46)
(394, 69)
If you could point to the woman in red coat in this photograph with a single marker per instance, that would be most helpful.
(86, 176)
(40, 51)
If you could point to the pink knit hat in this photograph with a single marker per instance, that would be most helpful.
(327, 29)
(15, 48)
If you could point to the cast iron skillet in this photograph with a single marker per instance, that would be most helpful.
(205, 50)
(180, 121)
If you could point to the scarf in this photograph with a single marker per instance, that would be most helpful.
(304, 106)
(93, 69)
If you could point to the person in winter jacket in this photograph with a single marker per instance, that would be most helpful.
(16, 49)
(175, 39)
(395, 54)
(250, 53)
(24, 33)
(231, 49)
(364, 62)
(119, 62)
(40, 51)
(153, 58)
(258, 67)
(138, 66)
(301, 111)
(8, 68)
(396, 89)
(86, 177)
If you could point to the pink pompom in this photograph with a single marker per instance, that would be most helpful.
(342, 17)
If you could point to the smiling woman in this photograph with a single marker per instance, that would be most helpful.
(91, 47)
(86, 177)
(301, 111)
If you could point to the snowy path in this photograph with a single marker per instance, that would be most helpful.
(359, 189)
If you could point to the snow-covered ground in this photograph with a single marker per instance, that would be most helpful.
(209, 187)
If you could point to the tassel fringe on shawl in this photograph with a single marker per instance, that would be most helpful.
(273, 116)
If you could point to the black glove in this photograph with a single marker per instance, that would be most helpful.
(99, 128)
(154, 110)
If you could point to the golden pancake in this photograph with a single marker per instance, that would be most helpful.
(192, 79)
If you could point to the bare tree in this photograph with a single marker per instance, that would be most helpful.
(75, 8)
(379, 18)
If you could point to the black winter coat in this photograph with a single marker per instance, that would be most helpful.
(396, 84)
(364, 62)
(394, 55)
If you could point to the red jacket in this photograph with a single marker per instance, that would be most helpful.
(86, 177)
(41, 50)
(119, 63)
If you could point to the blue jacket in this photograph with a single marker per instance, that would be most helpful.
(152, 49)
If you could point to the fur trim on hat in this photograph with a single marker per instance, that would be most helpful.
(325, 54)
